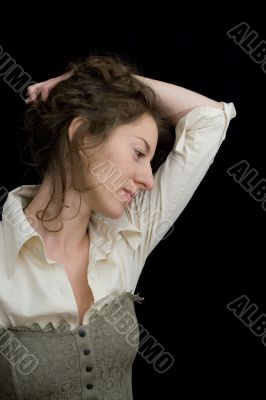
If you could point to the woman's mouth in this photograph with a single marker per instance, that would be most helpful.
(127, 196)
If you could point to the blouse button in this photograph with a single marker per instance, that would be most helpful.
(89, 386)
(82, 333)
(86, 351)
(88, 368)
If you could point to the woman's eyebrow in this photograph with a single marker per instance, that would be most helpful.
(148, 147)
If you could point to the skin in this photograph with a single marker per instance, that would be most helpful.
(133, 171)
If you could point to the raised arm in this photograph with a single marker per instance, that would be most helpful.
(178, 100)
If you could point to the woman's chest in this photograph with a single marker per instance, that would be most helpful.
(78, 278)
(67, 288)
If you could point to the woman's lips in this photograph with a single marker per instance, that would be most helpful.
(129, 198)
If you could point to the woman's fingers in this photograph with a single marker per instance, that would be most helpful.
(44, 87)
(32, 92)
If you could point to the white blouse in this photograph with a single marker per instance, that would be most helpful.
(34, 288)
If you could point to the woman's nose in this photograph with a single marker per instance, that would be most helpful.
(146, 178)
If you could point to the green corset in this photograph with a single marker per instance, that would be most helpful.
(93, 361)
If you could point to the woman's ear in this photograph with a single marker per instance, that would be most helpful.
(75, 123)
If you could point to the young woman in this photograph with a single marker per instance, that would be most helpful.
(73, 246)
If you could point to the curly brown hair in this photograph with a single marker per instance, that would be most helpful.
(103, 91)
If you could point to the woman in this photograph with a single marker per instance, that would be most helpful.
(75, 244)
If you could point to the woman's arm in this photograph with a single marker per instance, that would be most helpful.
(178, 100)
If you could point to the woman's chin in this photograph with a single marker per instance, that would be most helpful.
(116, 210)
(118, 213)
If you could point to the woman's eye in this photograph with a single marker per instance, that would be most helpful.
(139, 154)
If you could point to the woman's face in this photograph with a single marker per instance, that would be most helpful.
(124, 161)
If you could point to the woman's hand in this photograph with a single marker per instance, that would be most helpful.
(44, 88)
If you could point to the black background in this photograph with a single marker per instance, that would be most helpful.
(216, 251)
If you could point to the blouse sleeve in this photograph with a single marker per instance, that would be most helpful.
(198, 136)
